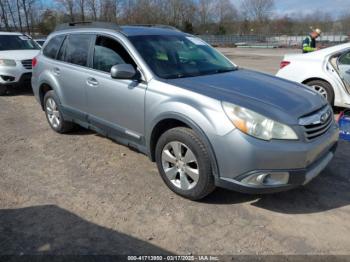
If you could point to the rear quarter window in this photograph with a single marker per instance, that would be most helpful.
(53, 46)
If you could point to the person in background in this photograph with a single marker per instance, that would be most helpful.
(309, 43)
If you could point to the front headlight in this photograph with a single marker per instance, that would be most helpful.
(7, 62)
(256, 125)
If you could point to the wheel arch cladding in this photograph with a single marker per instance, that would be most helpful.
(174, 120)
(43, 89)
(315, 79)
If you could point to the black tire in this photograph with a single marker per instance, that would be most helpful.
(63, 126)
(205, 184)
(327, 87)
(3, 90)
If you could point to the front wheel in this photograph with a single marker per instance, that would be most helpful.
(323, 88)
(184, 164)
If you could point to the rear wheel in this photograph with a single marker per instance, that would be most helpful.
(184, 164)
(54, 114)
(323, 88)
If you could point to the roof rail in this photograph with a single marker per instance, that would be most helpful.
(87, 24)
(156, 25)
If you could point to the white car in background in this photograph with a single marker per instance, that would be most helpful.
(16, 53)
(326, 71)
(40, 41)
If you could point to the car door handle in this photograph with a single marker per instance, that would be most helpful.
(56, 71)
(92, 81)
(348, 72)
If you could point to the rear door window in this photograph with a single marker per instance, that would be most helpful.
(77, 50)
(53, 46)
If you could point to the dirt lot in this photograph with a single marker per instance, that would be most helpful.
(84, 194)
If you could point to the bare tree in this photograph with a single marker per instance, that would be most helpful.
(258, 10)
(225, 11)
(205, 10)
(4, 15)
(92, 6)
(180, 12)
(19, 14)
(10, 10)
(81, 4)
(26, 14)
(69, 6)
(109, 10)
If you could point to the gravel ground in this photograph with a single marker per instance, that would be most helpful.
(84, 194)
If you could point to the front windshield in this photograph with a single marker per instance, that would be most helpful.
(17, 42)
(178, 56)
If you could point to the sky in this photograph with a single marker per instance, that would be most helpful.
(287, 7)
(335, 7)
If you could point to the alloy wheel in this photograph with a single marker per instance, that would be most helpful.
(321, 90)
(180, 165)
(52, 113)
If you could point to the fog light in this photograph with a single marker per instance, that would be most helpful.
(266, 179)
(7, 78)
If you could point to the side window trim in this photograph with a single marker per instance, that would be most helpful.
(90, 61)
(63, 45)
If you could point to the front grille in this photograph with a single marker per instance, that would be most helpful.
(27, 64)
(317, 124)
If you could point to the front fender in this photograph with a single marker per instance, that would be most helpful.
(203, 114)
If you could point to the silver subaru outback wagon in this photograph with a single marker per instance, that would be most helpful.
(171, 96)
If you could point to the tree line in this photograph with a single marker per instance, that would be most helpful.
(193, 16)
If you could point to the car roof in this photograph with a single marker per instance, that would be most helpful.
(328, 51)
(147, 30)
(10, 33)
(320, 54)
(127, 30)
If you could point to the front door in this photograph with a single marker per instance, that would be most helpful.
(114, 105)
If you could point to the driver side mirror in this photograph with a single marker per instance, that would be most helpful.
(123, 71)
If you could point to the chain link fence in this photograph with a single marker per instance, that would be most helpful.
(272, 41)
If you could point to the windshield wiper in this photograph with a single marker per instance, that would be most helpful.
(211, 72)
(218, 71)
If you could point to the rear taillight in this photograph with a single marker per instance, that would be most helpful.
(284, 64)
(34, 62)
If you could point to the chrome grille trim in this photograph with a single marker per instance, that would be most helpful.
(27, 64)
(317, 124)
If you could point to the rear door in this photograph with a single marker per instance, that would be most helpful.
(344, 68)
(114, 105)
(72, 72)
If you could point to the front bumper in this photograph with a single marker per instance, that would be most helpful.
(243, 156)
(23, 81)
(16, 76)
(297, 177)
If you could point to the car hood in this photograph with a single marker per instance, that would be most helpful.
(19, 54)
(279, 99)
